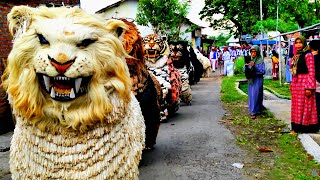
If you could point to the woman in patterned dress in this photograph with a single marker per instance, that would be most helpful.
(303, 108)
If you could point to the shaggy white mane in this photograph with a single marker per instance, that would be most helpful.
(66, 68)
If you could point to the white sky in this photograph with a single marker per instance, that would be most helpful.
(91, 6)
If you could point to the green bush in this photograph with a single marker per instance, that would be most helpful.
(238, 66)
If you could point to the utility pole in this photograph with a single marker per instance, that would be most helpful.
(281, 65)
(261, 36)
(277, 15)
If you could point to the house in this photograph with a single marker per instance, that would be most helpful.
(128, 9)
(232, 41)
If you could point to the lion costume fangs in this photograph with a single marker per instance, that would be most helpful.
(69, 87)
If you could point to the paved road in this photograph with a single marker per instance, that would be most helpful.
(193, 144)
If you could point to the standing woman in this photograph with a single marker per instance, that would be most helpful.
(255, 87)
(289, 57)
(275, 65)
(303, 98)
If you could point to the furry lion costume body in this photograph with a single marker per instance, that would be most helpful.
(145, 86)
(69, 87)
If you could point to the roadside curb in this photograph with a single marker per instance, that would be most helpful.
(276, 94)
(264, 87)
(310, 146)
(239, 90)
(237, 83)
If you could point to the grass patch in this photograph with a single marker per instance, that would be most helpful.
(270, 85)
(283, 90)
(243, 86)
(288, 160)
(296, 163)
(238, 66)
(228, 90)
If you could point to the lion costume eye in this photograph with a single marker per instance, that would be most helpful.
(42, 39)
(146, 39)
(86, 42)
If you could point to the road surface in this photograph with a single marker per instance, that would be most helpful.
(194, 144)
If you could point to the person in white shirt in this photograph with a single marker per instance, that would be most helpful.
(213, 58)
(226, 58)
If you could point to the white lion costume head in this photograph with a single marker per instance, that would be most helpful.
(64, 65)
(69, 84)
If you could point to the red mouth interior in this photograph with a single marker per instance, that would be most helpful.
(62, 84)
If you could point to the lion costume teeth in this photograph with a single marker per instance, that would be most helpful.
(62, 88)
(69, 87)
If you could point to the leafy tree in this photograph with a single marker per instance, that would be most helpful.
(238, 15)
(270, 25)
(299, 11)
(245, 14)
(165, 16)
(220, 40)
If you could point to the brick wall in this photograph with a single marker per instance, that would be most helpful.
(5, 47)
(5, 7)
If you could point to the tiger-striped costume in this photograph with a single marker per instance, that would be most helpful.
(157, 61)
(180, 56)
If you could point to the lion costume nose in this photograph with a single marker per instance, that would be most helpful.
(61, 67)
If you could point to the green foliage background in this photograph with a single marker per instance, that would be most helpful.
(244, 15)
(239, 65)
(165, 16)
(220, 40)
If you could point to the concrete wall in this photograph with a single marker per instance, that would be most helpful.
(187, 36)
(129, 10)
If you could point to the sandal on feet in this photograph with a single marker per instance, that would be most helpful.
(293, 133)
(253, 116)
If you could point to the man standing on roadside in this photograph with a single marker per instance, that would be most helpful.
(213, 58)
(226, 58)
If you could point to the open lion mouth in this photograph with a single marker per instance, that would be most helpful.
(62, 88)
(175, 58)
(151, 53)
